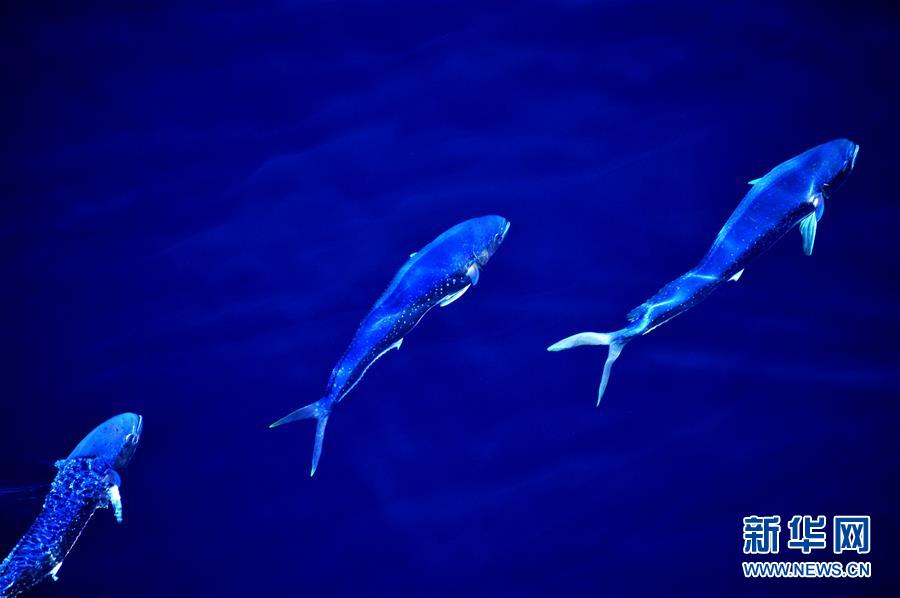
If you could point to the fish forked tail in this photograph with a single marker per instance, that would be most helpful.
(615, 340)
(320, 410)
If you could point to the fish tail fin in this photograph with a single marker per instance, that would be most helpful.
(320, 410)
(614, 340)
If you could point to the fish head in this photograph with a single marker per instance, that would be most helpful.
(487, 233)
(114, 441)
(835, 160)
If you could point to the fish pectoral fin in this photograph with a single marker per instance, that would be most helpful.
(453, 296)
(413, 254)
(808, 232)
(115, 501)
(473, 273)
(54, 571)
(755, 181)
(737, 276)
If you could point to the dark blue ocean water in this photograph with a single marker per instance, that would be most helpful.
(201, 203)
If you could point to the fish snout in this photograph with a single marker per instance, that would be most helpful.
(499, 235)
(504, 231)
(838, 158)
(134, 436)
(846, 153)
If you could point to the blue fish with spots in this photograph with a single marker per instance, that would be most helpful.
(438, 274)
(791, 194)
(87, 480)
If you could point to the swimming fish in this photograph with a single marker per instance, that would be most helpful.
(87, 480)
(438, 274)
(792, 193)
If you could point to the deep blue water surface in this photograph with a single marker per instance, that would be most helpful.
(199, 204)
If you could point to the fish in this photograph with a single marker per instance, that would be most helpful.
(86, 481)
(791, 194)
(436, 275)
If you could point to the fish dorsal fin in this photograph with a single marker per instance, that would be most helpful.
(755, 181)
(453, 296)
(737, 276)
(808, 232)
